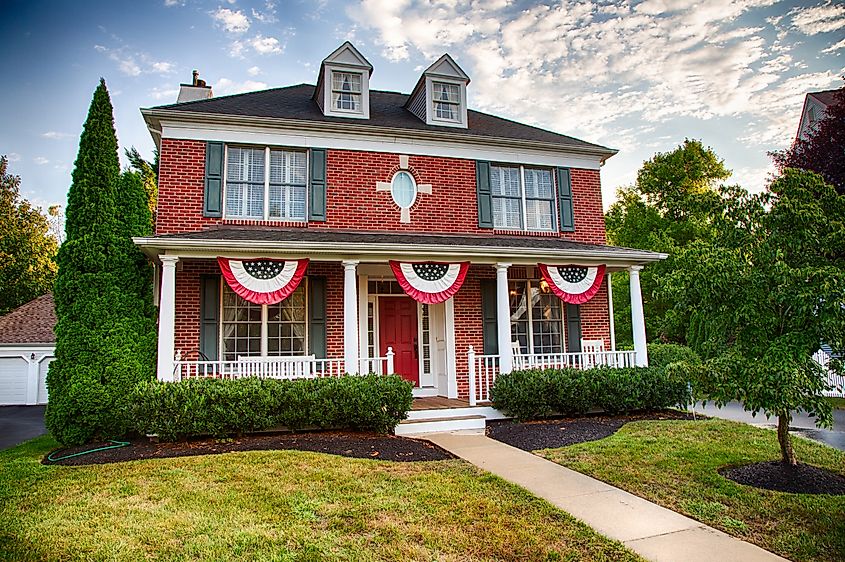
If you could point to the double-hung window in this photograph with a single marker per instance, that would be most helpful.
(257, 191)
(263, 330)
(447, 101)
(523, 198)
(536, 318)
(346, 91)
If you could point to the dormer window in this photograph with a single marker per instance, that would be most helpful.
(447, 101)
(346, 91)
(440, 96)
(343, 86)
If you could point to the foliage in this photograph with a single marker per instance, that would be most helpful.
(675, 464)
(105, 335)
(672, 204)
(27, 251)
(764, 295)
(823, 149)
(221, 407)
(536, 393)
(149, 175)
(664, 354)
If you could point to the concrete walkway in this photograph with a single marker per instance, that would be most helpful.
(653, 532)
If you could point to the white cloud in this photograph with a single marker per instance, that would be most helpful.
(823, 18)
(171, 3)
(233, 21)
(40, 160)
(55, 135)
(835, 47)
(160, 93)
(253, 71)
(135, 64)
(265, 45)
(754, 180)
(268, 15)
(225, 86)
(13, 157)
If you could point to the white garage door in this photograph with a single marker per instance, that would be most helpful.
(42, 379)
(13, 373)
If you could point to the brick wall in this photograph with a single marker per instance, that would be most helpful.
(352, 199)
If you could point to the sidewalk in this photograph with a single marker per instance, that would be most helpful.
(653, 532)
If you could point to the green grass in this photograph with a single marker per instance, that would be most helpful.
(674, 464)
(837, 403)
(278, 505)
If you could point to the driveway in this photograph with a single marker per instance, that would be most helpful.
(19, 423)
(802, 424)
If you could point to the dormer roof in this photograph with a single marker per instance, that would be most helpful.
(348, 93)
(347, 55)
(440, 96)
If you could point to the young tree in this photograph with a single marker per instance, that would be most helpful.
(148, 172)
(764, 294)
(671, 204)
(823, 150)
(27, 251)
(105, 335)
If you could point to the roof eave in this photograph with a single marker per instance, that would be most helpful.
(154, 116)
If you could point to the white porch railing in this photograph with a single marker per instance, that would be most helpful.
(297, 367)
(834, 380)
(483, 369)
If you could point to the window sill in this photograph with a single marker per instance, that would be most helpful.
(540, 233)
(262, 222)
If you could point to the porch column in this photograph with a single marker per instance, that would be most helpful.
(350, 316)
(637, 317)
(610, 312)
(167, 318)
(503, 318)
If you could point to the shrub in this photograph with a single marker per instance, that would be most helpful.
(220, 407)
(536, 393)
(663, 354)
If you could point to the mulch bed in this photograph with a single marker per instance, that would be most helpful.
(562, 432)
(343, 443)
(783, 477)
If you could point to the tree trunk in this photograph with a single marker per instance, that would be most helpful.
(787, 454)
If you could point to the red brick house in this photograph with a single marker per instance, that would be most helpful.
(352, 179)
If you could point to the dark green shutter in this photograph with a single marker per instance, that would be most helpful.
(490, 327)
(564, 191)
(317, 186)
(573, 328)
(317, 316)
(209, 316)
(213, 196)
(485, 195)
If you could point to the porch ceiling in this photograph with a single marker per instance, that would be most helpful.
(377, 247)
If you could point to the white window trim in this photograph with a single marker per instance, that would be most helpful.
(327, 85)
(524, 201)
(265, 315)
(332, 91)
(530, 308)
(456, 104)
(431, 114)
(266, 217)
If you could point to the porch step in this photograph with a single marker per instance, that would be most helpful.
(443, 423)
(438, 413)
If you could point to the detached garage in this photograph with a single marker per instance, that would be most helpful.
(27, 346)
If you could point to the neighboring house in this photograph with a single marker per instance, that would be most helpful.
(815, 105)
(27, 347)
(389, 196)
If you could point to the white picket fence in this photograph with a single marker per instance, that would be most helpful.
(483, 369)
(835, 381)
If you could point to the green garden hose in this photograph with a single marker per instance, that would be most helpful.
(117, 445)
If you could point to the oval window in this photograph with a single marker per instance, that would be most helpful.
(403, 188)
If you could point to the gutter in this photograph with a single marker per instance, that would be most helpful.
(153, 118)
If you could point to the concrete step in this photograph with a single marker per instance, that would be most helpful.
(445, 423)
(436, 413)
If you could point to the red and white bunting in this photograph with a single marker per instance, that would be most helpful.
(573, 284)
(430, 282)
(265, 280)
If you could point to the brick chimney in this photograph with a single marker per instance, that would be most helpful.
(196, 90)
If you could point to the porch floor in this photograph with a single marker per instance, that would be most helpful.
(438, 403)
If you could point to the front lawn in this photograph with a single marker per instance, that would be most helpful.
(675, 463)
(278, 505)
(837, 403)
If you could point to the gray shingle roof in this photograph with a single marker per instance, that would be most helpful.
(32, 322)
(386, 110)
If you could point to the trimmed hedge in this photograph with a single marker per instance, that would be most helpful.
(534, 393)
(663, 354)
(225, 407)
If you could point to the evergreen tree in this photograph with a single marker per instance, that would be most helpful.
(105, 332)
(27, 251)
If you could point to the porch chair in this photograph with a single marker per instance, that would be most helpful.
(593, 353)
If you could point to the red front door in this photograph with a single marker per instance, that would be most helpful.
(397, 328)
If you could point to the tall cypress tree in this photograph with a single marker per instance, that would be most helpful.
(105, 332)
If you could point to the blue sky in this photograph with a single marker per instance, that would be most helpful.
(639, 76)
